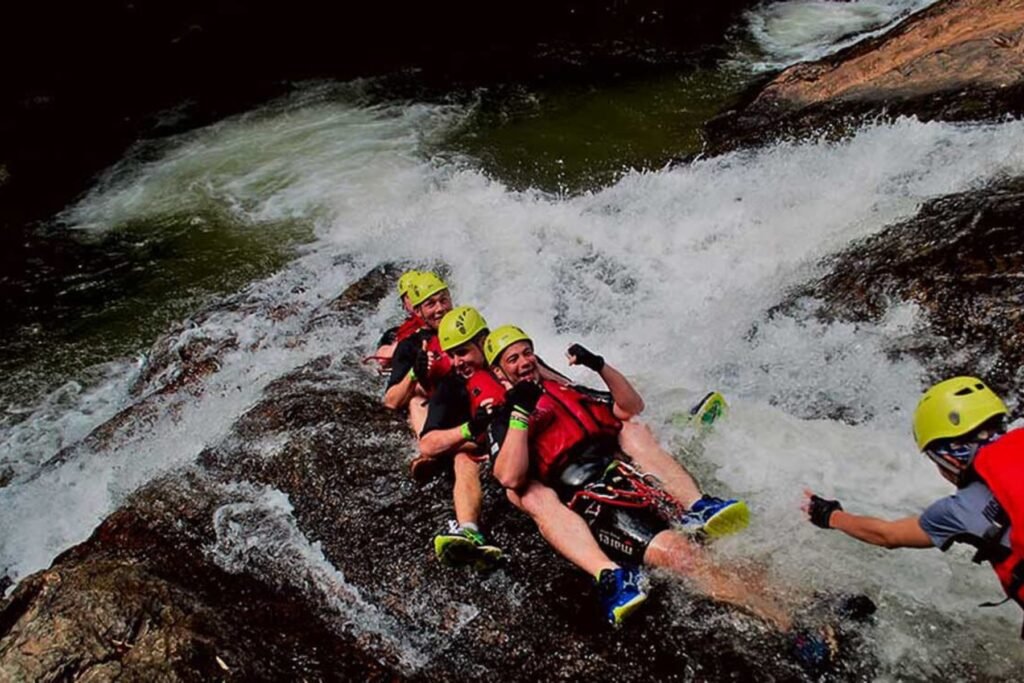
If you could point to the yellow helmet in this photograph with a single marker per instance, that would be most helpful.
(459, 326)
(405, 282)
(954, 408)
(499, 340)
(424, 286)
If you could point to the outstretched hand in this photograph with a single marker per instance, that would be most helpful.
(581, 355)
(819, 510)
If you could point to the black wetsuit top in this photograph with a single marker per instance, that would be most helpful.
(405, 355)
(389, 337)
(449, 404)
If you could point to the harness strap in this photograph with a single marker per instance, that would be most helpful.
(1011, 591)
(643, 491)
(989, 546)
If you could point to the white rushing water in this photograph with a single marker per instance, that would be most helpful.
(793, 31)
(667, 274)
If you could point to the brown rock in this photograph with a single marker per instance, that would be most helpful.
(961, 259)
(956, 60)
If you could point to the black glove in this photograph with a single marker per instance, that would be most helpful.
(478, 423)
(524, 396)
(586, 358)
(820, 511)
(421, 366)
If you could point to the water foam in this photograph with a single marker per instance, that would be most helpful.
(258, 536)
(804, 30)
(667, 273)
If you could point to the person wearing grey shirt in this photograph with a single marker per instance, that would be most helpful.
(959, 424)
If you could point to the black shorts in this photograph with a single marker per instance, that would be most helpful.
(622, 532)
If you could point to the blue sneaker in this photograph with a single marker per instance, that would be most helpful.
(713, 517)
(620, 593)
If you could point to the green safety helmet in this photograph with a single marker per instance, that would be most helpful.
(500, 339)
(405, 282)
(424, 286)
(459, 326)
(954, 408)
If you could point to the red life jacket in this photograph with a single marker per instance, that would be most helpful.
(1000, 465)
(484, 391)
(411, 326)
(575, 419)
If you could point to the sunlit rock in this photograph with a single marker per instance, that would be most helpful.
(957, 60)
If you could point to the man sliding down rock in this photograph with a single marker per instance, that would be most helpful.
(418, 362)
(566, 439)
(423, 372)
(411, 325)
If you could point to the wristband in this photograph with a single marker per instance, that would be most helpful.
(520, 413)
(412, 375)
(517, 424)
(465, 433)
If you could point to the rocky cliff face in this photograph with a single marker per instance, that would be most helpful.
(957, 60)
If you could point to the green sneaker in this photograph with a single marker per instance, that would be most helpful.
(708, 410)
(702, 417)
(459, 547)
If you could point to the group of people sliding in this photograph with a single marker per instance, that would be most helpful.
(601, 490)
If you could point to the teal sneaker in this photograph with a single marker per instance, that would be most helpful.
(460, 547)
(708, 410)
(621, 593)
(713, 517)
(702, 417)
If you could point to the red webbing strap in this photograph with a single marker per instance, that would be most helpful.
(642, 494)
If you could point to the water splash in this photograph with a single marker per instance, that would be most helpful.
(668, 274)
(804, 30)
(258, 536)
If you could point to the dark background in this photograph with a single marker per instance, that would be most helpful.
(83, 80)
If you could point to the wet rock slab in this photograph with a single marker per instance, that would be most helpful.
(298, 547)
(961, 260)
(957, 60)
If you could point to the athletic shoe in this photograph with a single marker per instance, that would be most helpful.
(620, 592)
(713, 517)
(458, 547)
(707, 411)
(702, 417)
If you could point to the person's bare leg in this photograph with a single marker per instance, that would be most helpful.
(672, 551)
(563, 529)
(637, 441)
(467, 493)
(417, 414)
